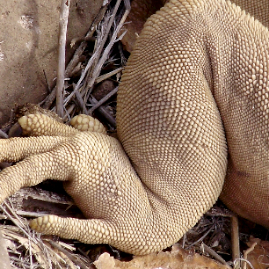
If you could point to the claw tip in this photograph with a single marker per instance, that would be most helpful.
(23, 122)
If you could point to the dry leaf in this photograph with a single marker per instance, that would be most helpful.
(174, 259)
(259, 256)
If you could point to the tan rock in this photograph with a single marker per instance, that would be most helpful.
(28, 47)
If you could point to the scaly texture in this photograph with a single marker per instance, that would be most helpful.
(196, 81)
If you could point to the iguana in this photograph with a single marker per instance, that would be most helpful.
(192, 115)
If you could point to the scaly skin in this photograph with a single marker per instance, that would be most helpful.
(196, 82)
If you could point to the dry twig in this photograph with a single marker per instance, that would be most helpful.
(245, 258)
(90, 80)
(108, 75)
(214, 254)
(3, 134)
(235, 238)
(73, 258)
(93, 67)
(103, 100)
(64, 13)
(110, 119)
(98, 49)
(75, 59)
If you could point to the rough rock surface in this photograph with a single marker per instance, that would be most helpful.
(28, 47)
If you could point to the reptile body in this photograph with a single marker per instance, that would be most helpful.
(192, 114)
(207, 79)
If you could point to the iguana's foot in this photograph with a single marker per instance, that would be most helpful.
(96, 173)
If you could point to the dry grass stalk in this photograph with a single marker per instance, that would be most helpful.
(64, 13)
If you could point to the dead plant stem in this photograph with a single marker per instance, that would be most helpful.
(64, 13)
